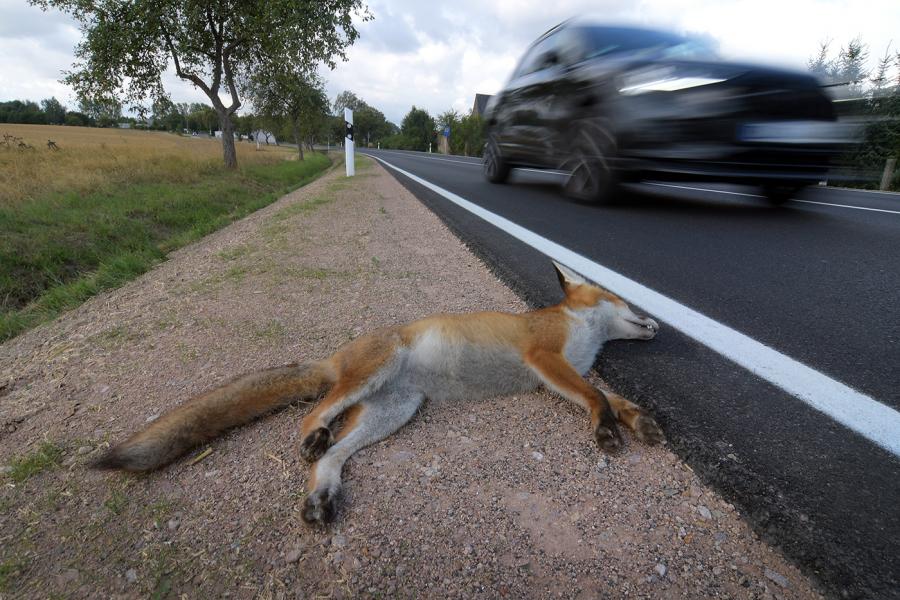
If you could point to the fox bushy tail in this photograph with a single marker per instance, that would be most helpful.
(204, 417)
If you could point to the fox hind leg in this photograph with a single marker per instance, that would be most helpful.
(316, 435)
(366, 364)
(635, 418)
(367, 422)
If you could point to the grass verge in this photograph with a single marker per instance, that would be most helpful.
(47, 456)
(59, 250)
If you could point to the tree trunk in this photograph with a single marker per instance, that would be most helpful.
(298, 141)
(228, 140)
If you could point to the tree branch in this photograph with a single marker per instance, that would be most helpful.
(178, 70)
(229, 80)
(217, 58)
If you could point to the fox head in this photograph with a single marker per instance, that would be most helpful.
(604, 306)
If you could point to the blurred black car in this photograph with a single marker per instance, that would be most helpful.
(609, 104)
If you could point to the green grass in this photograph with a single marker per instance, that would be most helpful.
(57, 251)
(47, 456)
(9, 569)
(116, 502)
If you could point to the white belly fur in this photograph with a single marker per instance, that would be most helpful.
(461, 370)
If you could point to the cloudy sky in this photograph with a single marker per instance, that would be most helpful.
(438, 55)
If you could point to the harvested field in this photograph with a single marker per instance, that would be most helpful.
(90, 158)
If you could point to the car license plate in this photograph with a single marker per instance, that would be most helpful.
(797, 132)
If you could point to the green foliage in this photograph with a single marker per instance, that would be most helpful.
(9, 571)
(45, 457)
(466, 132)
(54, 110)
(105, 112)
(878, 105)
(116, 502)
(17, 111)
(216, 46)
(416, 130)
(78, 119)
(61, 249)
(294, 98)
(369, 124)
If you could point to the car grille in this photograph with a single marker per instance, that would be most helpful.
(783, 104)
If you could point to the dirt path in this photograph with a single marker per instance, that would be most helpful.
(507, 498)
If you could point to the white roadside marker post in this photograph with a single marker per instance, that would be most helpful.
(348, 143)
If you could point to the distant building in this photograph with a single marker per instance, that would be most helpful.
(125, 125)
(480, 105)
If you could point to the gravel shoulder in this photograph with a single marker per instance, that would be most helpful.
(506, 497)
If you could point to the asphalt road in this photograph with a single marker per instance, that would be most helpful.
(818, 280)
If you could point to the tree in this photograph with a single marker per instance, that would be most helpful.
(369, 123)
(878, 108)
(468, 139)
(881, 81)
(78, 119)
(851, 64)
(347, 99)
(417, 129)
(820, 65)
(296, 97)
(17, 111)
(105, 112)
(54, 110)
(216, 46)
(168, 115)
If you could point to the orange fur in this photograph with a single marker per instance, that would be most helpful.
(379, 380)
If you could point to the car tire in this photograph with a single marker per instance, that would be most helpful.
(496, 169)
(778, 194)
(591, 176)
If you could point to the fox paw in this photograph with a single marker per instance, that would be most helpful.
(320, 507)
(608, 438)
(648, 431)
(316, 444)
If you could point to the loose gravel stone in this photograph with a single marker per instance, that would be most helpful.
(776, 577)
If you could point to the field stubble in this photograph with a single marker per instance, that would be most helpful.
(91, 158)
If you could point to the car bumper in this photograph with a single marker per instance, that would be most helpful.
(741, 151)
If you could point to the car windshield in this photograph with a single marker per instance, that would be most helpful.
(604, 41)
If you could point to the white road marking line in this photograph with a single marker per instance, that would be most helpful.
(884, 210)
(542, 171)
(699, 189)
(861, 413)
(462, 162)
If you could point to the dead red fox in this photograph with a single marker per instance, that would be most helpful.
(379, 380)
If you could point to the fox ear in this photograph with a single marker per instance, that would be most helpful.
(567, 276)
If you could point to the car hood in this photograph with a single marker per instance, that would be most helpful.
(739, 74)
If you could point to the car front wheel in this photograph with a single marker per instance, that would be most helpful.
(591, 177)
(496, 169)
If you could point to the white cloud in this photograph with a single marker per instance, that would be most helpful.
(437, 56)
